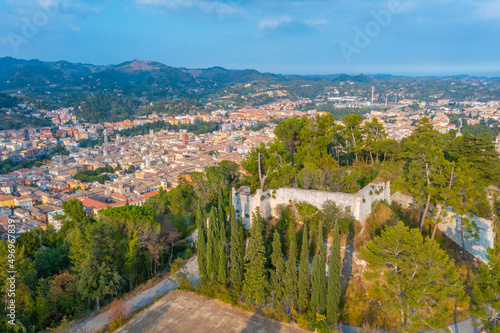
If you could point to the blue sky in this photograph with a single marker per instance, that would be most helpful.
(412, 37)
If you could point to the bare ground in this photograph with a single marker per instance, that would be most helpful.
(180, 312)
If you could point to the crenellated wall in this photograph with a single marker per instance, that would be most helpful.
(360, 203)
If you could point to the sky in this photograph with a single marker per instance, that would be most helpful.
(399, 37)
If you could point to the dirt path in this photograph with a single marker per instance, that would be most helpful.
(141, 299)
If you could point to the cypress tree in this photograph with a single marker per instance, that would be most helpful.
(334, 270)
(304, 274)
(278, 272)
(236, 271)
(221, 209)
(321, 240)
(290, 281)
(254, 284)
(318, 279)
(315, 281)
(222, 271)
(242, 244)
(322, 270)
(212, 245)
(201, 242)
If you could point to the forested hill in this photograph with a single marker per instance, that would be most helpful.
(155, 81)
(134, 77)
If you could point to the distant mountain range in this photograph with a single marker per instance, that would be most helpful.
(18, 74)
(155, 81)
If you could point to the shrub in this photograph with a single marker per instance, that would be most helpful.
(119, 312)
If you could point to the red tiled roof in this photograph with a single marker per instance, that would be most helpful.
(92, 204)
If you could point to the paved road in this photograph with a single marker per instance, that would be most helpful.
(141, 299)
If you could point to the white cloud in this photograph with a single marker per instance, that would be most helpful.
(166, 3)
(489, 10)
(222, 8)
(274, 22)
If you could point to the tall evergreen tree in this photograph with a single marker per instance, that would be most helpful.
(290, 281)
(221, 209)
(278, 271)
(321, 240)
(201, 243)
(421, 283)
(212, 245)
(315, 279)
(235, 252)
(334, 270)
(486, 289)
(318, 279)
(222, 265)
(322, 269)
(254, 284)
(242, 244)
(222, 271)
(304, 274)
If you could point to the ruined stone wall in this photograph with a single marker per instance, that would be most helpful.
(359, 204)
(405, 200)
(476, 246)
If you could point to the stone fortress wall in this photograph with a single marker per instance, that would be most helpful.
(450, 226)
(360, 204)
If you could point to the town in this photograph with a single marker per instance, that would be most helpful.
(134, 168)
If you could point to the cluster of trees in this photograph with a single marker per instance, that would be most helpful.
(7, 101)
(434, 167)
(8, 165)
(340, 113)
(143, 129)
(97, 175)
(18, 121)
(101, 108)
(60, 149)
(257, 127)
(266, 271)
(91, 261)
(198, 127)
(176, 107)
(316, 154)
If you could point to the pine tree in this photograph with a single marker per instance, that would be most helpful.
(411, 264)
(212, 245)
(304, 274)
(235, 251)
(278, 272)
(254, 284)
(334, 270)
(201, 241)
(290, 282)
